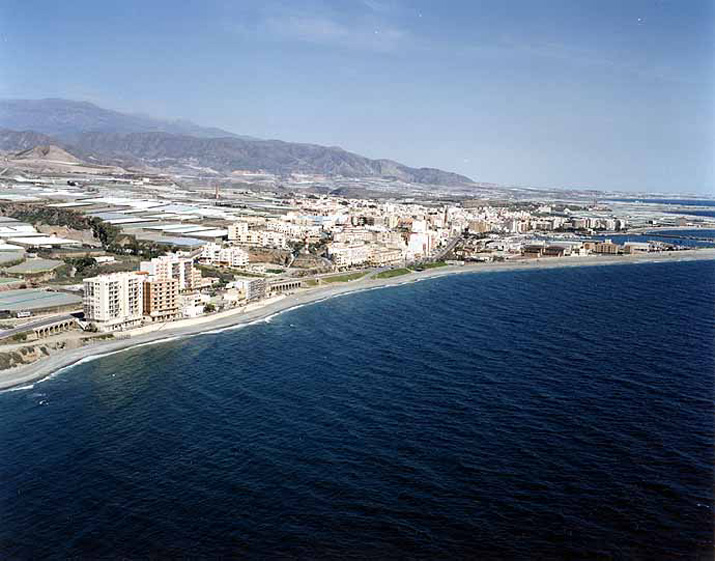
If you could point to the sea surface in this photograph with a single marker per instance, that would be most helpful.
(681, 202)
(545, 414)
(704, 206)
(699, 237)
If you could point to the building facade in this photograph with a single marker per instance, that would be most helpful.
(114, 302)
(161, 300)
(173, 266)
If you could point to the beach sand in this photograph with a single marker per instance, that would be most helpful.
(25, 376)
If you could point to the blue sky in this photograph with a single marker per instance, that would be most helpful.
(604, 94)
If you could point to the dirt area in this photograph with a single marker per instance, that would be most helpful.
(277, 256)
(312, 262)
(84, 236)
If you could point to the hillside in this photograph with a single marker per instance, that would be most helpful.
(274, 156)
(14, 141)
(110, 137)
(65, 118)
(49, 153)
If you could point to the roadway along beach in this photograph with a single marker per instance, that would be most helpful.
(25, 375)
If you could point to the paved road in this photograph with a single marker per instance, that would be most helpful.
(34, 324)
(446, 249)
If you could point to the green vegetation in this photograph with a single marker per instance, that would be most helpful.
(392, 273)
(103, 337)
(246, 273)
(13, 263)
(84, 269)
(425, 266)
(310, 282)
(81, 264)
(345, 278)
(209, 308)
(296, 246)
(19, 337)
(109, 235)
(274, 271)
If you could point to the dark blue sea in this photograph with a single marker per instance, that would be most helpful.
(699, 237)
(554, 414)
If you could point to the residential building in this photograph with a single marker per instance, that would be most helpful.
(253, 288)
(179, 267)
(114, 302)
(348, 255)
(607, 247)
(161, 299)
(384, 256)
(237, 230)
(216, 254)
(240, 234)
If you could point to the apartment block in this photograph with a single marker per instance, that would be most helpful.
(161, 299)
(114, 302)
(215, 254)
(384, 256)
(253, 288)
(345, 255)
(173, 266)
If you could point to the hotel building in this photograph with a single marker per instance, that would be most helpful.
(114, 302)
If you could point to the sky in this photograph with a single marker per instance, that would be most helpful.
(604, 94)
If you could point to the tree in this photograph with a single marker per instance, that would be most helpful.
(209, 308)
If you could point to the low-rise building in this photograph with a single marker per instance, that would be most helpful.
(384, 256)
(231, 256)
(348, 255)
(253, 288)
(608, 247)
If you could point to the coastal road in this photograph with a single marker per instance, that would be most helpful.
(449, 247)
(35, 324)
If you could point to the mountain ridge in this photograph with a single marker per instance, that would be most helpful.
(64, 117)
(78, 132)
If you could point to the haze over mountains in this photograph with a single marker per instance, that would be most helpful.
(89, 131)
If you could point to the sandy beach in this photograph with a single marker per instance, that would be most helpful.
(26, 375)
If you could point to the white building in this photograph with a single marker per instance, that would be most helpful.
(252, 288)
(240, 234)
(114, 302)
(344, 255)
(237, 230)
(419, 245)
(215, 254)
(173, 266)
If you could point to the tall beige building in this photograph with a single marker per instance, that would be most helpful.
(114, 302)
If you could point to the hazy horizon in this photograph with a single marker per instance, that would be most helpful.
(606, 96)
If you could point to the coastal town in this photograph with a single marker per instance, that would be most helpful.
(89, 257)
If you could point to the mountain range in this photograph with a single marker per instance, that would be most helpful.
(91, 132)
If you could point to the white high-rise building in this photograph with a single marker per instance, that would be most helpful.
(172, 266)
(114, 302)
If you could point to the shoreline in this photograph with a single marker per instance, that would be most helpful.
(26, 376)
